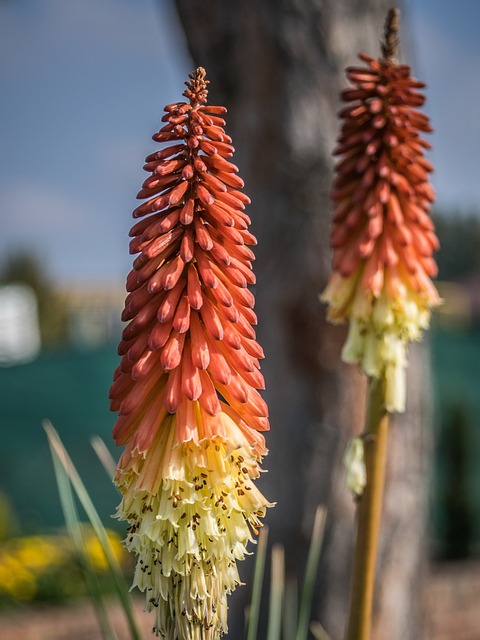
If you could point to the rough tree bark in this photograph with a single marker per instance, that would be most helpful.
(279, 66)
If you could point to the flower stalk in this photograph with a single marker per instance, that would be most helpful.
(186, 389)
(369, 513)
(383, 240)
(382, 235)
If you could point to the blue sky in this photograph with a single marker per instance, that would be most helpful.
(83, 87)
(446, 47)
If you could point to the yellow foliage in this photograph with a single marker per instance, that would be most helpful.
(25, 561)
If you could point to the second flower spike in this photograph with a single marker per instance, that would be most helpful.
(190, 414)
(382, 235)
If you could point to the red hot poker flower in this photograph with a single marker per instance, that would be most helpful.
(186, 389)
(382, 235)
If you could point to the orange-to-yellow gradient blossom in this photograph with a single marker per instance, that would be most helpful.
(382, 235)
(190, 415)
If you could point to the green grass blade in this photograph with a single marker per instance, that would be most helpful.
(318, 631)
(277, 592)
(104, 455)
(75, 532)
(310, 574)
(87, 504)
(290, 609)
(254, 611)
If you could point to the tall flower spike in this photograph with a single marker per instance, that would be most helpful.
(382, 236)
(186, 389)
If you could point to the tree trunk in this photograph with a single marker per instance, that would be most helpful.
(278, 66)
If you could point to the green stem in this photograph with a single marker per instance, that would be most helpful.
(369, 515)
(310, 574)
(254, 612)
(87, 504)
